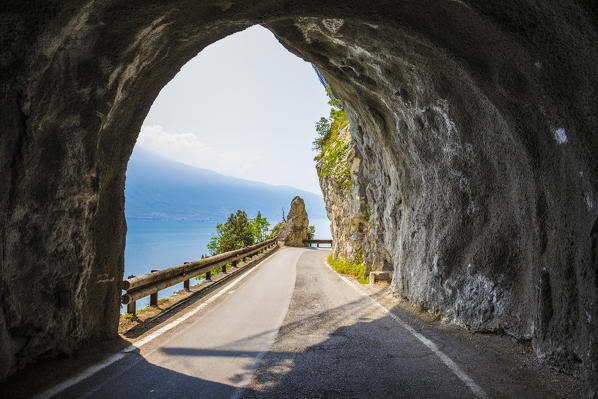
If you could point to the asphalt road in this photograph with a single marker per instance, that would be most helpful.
(292, 327)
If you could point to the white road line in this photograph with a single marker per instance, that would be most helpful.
(467, 380)
(80, 377)
(88, 372)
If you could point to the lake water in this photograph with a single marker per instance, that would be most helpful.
(158, 244)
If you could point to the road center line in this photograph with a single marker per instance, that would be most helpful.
(466, 379)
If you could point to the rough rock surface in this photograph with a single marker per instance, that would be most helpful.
(475, 122)
(463, 168)
(294, 231)
(348, 210)
(344, 202)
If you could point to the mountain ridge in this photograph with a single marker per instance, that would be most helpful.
(163, 189)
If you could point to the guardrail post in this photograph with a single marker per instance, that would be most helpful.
(154, 296)
(131, 307)
(186, 282)
(208, 275)
(235, 262)
(223, 268)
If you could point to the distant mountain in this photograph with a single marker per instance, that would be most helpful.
(158, 188)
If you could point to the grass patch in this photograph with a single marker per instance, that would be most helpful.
(343, 266)
(129, 316)
(162, 300)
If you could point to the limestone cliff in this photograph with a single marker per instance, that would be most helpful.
(339, 169)
(294, 230)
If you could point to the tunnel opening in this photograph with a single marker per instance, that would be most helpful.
(474, 123)
(231, 131)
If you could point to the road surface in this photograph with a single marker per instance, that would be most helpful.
(292, 327)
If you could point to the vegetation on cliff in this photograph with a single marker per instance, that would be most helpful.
(329, 143)
(328, 128)
(276, 229)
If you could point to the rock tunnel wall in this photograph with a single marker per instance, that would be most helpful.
(475, 121)
(474, 171)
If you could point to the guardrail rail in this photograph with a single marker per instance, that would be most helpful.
(317, 242)
(149, 284)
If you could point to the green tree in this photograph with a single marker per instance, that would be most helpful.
(260, 227)
(311, 232)
(236, 233)
(327, 129)
(323, 131)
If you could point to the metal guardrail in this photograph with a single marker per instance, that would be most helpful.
(317, 242)
(149, 284)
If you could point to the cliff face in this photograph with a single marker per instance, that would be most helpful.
(477, 185)
(343, 186)
(474, 121)
(342, 198)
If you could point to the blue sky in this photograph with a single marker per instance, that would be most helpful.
(244, 107)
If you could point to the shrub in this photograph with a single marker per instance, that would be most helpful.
(343, 266)
(276, 229)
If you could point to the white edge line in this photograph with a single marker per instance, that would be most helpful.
(88, 372)
(466, 379)
(81, 376)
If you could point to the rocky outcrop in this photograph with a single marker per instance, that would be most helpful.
(344, 204)
(347, 208)
(295, 229)
(474, 121)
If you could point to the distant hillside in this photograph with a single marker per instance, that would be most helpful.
(158, 188)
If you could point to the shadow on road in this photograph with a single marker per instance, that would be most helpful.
(371, 356)
(138, 378)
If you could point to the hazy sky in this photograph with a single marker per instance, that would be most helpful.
(244, 107)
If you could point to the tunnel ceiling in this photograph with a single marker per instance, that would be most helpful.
(475, 123)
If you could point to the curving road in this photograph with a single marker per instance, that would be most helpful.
(291, 327)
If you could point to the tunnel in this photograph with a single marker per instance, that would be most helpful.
(475, 124)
